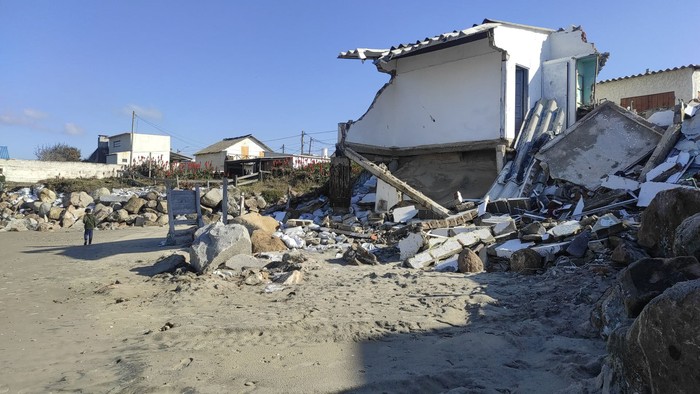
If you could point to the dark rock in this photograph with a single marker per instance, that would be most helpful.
(609, 313)
(660, 351)
(526, 261)
(357, 255)
(534, 228)
(468, 261)
(134, 204)
(645, 279)
(687, 239)
(661, 218)
(627, 253)
(579, 244)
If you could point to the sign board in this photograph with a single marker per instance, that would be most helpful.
(182, 202)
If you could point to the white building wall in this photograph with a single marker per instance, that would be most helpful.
(526, 49)
(436, 98)
(254, 149)
(679, 81)
(215, 159)
(696, 84)
(147, 146)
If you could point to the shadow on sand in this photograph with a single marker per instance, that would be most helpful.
(99, 250)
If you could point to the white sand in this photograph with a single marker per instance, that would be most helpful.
(65, 325)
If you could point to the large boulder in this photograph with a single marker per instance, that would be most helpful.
(77, 199)
(134, 204)
(120, 215)
(216, 243)
(468, 261)
(212, 198)
(55, 213)
(99, 193)
(44, 209)
(660, 351)
(627, 253)
(609, 313)
(151, 196)
(661, 218)
(687, 239)
(162, 206)
(254, 221)
(47, 195)
(645, 279)
(264, 242)
(71, 216)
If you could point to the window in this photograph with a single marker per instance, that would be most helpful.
(521, 97)
(116, 143)
(124, 160)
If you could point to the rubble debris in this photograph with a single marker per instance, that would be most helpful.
(687, 238)
(526, 261)
(357, 255)
(663, 215)
(607, 140)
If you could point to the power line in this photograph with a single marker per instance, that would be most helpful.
(187, 141)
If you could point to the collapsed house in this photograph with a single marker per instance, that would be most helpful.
(455, 103)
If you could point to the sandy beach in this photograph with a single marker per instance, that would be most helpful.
(94, 319)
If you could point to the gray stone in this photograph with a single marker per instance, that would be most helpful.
(358, 255)
(44, 209)
(150, 217)
(216, 243)
(120, 215)
(627, 253)
(163, 220)
(687, 237)
(410, 245)
(17, 225)
(212, 198)
(579, 245)
(55, 213)
(151, 196)
(77, 199)
(166, 264)
(162, 206)
(134, 204)
(99, 193)
(139, 221)
(534, 228)
(47, 195)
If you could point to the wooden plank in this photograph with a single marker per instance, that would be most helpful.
(387, 177)
(663, 148)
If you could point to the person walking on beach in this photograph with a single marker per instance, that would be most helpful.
(89, 221)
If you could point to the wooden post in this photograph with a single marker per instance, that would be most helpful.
(170, 239)
(235, 180)
(200, 222)
(340, 189)
(224, 203)
(242, 204)
(177, 181)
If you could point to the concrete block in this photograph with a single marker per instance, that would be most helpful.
(565, 229)
(505, 227)
(404, 214)
(419, 261)
(615, 182)
(409, 246)
(507, 248)
(447, 249)
(661, 172)
(467, 239)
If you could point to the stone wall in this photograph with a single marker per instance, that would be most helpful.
(30, 171)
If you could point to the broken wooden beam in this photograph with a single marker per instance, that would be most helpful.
(402, 186)
(663, 148)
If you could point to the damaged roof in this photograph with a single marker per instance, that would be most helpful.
(229, 142)
(647, 72)
(428, 44)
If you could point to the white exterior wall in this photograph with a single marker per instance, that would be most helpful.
(526, 49)
(154, 146)
(448, 96)
(253, 148)
(144, 146)
(216, 159)
(684, 83)
(31, 171)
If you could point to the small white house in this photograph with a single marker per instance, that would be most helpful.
(652, 89)
(236, 148)
(455, 102)
(122, 150)
(472, 87)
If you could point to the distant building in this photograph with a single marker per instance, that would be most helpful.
(122, 150)
(100, 154)
(652, 89)
(176, 157)
(4, 153)
(236, 148)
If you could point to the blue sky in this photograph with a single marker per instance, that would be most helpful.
(206, 70)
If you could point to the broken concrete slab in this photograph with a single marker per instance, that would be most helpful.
(661, 172)
(607, 140)
(449, 248)
(419, 261)
(615, 182)
(649, 190)
(607, 224)
(565, 229)
(409, 246)
(507, 248)
(404, 214)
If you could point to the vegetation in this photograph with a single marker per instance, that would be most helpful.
(57, 152)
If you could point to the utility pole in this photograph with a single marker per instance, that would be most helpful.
(282, 148)
(302, 142)
(310, 141)
(131, 152)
